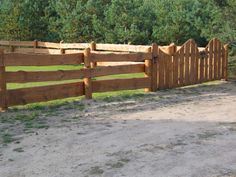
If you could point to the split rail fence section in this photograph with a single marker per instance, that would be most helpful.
(164, 67)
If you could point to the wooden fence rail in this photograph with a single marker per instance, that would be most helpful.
(164, 68)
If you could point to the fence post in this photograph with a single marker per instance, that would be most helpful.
(62, 51)
(11, 48)
(226, 47)
(148, 70)
(93, 48)
(87, 80)
(35, 44)
(154, 65)
(3, 85)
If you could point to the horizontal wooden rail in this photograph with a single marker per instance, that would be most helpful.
(120, 84)
(38, 50)
(42, 76)
(46, 93)
(122, 47)
(17, 43)
(74, 45)
(111, 57)
(16, 59)
(48, 45)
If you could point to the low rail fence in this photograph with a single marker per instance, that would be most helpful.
(163, 68)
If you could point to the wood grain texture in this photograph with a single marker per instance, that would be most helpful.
(120, 84)
(42, 76)
(16, 59)
(111, 57)
(46, 93)
(122, 47)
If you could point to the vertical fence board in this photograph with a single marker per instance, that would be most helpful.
(182, 68)
(219, 60)
(161, 69)
(192, 62)
(206, 67)
(210, 54)
(197, 65)
(175, 69)
(201, 68)
(187, 56)
(215, 58)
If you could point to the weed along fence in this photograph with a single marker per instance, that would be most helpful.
(163, 67)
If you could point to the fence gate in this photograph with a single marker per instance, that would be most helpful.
(190, 65)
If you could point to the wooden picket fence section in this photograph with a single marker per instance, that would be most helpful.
(164, 67)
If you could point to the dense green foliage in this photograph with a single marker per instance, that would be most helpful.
(118, 21)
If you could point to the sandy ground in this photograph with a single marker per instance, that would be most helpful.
(187, 132)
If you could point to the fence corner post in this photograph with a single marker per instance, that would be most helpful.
(226, 47)
(154, 67)
(87, 80)
(3, 85)
(148, 70)
(93, 48)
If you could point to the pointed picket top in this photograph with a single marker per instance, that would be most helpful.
(214, 42)
(191, 44)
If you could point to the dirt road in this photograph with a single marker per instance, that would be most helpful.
(187, 132)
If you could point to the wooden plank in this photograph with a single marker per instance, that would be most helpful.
(211, 60)
(219, 60)
(181, 67)
(206, 69)
(202, 58)
(42, 76)
(215, 59)
(45, 93)
(22, 43)
(69, 51)
(112, 70)
(3, 85)
(37, 50)
(111, 57)
(120, 84)
(187, 61)
(75, 45)
(161, 69)
(6, 43)
(16, 59)
(122, 47)
(192, 62)
(49, 45)
(175, 69)
(197, 63)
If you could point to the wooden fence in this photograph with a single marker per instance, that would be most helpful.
(164, 67)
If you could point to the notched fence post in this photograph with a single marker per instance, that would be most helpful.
(87, 80)
(148, 70)
(3, 85)
(93, 48)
